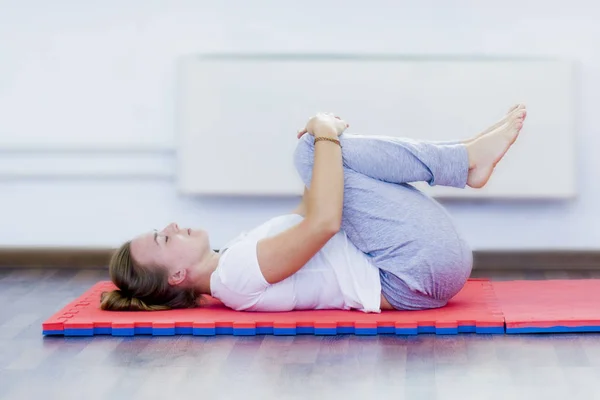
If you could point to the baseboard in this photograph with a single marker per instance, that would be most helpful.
(79, 258)
(537, 260)
(483, 260)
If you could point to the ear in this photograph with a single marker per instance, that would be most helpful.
(178, 277)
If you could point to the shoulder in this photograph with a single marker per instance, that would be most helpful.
(238, 270)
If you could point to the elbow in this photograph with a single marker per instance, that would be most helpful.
(329, 227)
(334, 227)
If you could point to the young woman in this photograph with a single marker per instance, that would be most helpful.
(363, 238)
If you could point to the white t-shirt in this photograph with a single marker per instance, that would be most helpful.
(339, 276)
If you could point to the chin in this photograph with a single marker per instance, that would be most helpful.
(201, 237)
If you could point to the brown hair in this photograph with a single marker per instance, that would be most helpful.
(142, 287)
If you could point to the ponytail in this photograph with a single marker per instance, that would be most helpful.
(118, 301)
(142, 287)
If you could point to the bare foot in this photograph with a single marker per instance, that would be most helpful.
(514, 109)
(487, 150)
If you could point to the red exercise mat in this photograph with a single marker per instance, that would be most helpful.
(474, 309)
(550, 305)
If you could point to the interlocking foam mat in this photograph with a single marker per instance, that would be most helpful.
(481, 307)
(550, 306)
(473, 310)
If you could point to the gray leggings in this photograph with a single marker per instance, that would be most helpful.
(422, 259)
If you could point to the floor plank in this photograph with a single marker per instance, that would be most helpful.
(265, 367)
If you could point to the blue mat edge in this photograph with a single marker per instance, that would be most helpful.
(318, 332)
(273, 331)
(554, 329)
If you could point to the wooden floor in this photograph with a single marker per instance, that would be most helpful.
(263, 367)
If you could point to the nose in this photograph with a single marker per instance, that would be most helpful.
(172, 226)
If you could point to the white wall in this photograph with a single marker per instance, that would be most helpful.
(86, 107)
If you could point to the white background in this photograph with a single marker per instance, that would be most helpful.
(98, 78)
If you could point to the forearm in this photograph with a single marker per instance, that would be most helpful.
(326, 196)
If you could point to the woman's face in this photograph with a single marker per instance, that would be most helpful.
(173, 247)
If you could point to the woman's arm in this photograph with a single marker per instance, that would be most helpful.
(326, 196)
(301, 209)
(280, 256)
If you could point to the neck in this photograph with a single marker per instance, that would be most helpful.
(200, 277)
